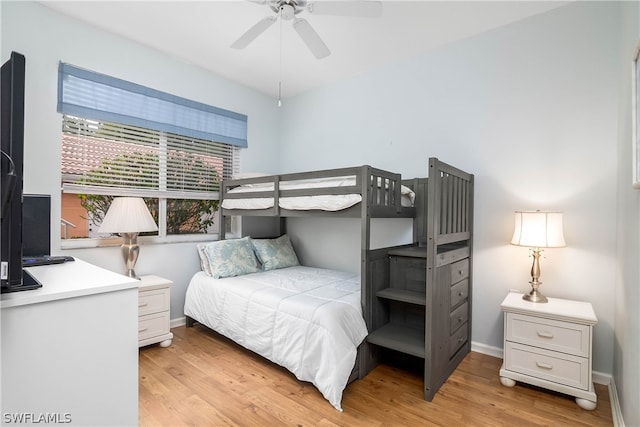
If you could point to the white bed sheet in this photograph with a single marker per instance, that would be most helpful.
(307, 319)
(320, 202)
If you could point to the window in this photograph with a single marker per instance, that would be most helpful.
(179, 177)
(114, 144)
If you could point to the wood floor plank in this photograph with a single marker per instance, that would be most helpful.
(204, 379)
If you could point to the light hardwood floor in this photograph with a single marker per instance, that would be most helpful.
(204, 379)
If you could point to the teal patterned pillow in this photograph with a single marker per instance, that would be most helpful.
(275, 253)
(233, 257)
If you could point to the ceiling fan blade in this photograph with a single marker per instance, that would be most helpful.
(365, 9)
(311, 38)
(254, 32)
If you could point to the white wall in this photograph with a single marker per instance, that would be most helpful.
(627, 292)
(45, 38)
(531, 110)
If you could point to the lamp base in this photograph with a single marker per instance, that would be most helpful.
(130, 251)
(132, 274)
(535, 296)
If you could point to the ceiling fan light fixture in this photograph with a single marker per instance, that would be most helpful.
(288, 9)
(287, 12)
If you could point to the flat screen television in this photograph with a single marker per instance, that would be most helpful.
(12, 276)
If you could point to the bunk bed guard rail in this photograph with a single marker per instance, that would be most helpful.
(380, 190)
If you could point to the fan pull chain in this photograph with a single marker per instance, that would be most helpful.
(280, 77)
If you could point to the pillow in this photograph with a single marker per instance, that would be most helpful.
(233, 257)
(275, 253)
(204, 261)
(244, 175)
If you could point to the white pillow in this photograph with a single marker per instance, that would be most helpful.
(204, 261)
(245, 175)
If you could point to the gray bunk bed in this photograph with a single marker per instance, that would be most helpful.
(416, 298)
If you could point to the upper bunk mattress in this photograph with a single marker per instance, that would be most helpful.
(317, 202)
(308, 320)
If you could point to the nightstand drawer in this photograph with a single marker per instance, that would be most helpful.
(566, 337)
(153, 325)
(552, 366)
(153, 301)
(459, 270)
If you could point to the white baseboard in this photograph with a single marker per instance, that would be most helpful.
(602, 378)
(487, 349)
(180, 321)
(616, 411)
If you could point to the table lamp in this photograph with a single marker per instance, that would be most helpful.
(536, 230)
(128, 216)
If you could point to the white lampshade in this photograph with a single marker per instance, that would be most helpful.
(128, 215)
(537, 229)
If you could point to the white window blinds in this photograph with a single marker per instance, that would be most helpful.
(116, 159)
(121, 138)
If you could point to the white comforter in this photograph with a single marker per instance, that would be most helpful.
(306, 319)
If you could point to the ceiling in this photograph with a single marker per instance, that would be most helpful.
(201, 32)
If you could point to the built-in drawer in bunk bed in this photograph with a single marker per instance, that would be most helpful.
(359, 192)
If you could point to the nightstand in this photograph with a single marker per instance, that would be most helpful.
(154, 296)
(549, 345)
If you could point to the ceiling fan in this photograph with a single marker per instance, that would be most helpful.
(288, 10)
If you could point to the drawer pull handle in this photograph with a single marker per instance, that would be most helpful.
(544, 365)
(461, 272)
(460, 294)
(460, 339)
(545, 334)
(142, 330)
(460, 318)
(143, 304)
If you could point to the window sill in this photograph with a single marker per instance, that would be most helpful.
(144, 240)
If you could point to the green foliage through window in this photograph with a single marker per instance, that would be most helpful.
(183, 215)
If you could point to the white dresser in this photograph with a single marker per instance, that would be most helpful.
(549, 345)
(153, 311)
(69, 353)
